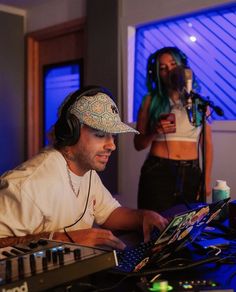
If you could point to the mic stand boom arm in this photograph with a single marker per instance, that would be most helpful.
(206, 102)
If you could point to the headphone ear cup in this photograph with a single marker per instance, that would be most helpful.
(67, 131)
(75, 129)
(67, 127)
(152, 70)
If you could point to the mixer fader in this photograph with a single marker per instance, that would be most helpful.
(44, 264)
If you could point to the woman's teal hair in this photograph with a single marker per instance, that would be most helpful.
(160, 99)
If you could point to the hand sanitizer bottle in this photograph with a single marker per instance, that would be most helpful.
(220, 191)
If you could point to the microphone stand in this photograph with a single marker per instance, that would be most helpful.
(203, 180)
(202, 107)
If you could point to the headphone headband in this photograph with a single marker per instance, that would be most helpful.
(67, 127)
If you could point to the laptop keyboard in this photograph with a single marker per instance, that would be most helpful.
(131, 256)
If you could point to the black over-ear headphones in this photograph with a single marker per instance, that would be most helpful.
(67, 127)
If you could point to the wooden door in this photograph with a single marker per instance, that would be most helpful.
(57, 44)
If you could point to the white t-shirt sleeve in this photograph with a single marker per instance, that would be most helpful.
(105, 204)
(19, 216)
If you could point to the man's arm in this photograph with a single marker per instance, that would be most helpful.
(13, 240)
(131, 219)
(87, 237)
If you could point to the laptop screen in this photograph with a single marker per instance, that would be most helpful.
(181, 231)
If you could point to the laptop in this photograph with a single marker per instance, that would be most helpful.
(182, 230)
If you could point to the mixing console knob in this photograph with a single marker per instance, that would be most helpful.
(42, 242)
(77, 254)
(33, 244)
(15, 251)
(6, 254)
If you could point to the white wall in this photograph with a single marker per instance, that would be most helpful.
(53, 12)
(46, 13)
(136, 12)
(224, 164)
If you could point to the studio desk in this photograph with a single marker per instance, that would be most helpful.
(56, 266)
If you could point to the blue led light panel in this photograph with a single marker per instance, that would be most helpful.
(209, 41)
(59, 81)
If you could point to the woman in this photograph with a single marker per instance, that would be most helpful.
(171, 173)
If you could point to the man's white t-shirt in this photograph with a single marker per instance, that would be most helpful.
(37, 197)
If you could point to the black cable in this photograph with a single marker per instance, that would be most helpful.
(170, 269)
(85, 208)
(175, 261)
(165, 140)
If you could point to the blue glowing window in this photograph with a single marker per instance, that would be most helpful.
(208, 39)
(59, 81)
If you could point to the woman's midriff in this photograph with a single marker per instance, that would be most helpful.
(178, 150)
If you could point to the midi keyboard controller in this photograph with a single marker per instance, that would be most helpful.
(44, 264)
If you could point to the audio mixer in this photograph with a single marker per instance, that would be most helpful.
(45, 264)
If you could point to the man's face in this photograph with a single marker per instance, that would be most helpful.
(92, 151)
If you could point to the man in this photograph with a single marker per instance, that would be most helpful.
(58, 195)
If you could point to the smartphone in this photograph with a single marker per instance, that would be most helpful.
(171, 118)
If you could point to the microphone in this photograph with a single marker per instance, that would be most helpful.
(189, 101)
(188, 80)
(195, 102)
(176, 79)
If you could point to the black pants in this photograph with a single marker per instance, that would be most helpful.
(164, 183)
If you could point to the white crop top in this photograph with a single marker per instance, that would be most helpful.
(185, 131)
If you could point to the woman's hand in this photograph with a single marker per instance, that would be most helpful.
(165, 127)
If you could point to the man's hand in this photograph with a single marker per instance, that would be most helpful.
(152, 219)
(92, 237)
(134, 219)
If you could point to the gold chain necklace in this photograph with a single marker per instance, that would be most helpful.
(70, 181)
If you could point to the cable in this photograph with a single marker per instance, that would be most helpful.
(215, 248)
(165, 139)
(155, 278)
(175, 261)
(170, 269)
(85, 208)
(157, 272)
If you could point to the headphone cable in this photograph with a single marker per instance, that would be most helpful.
(82, 215)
